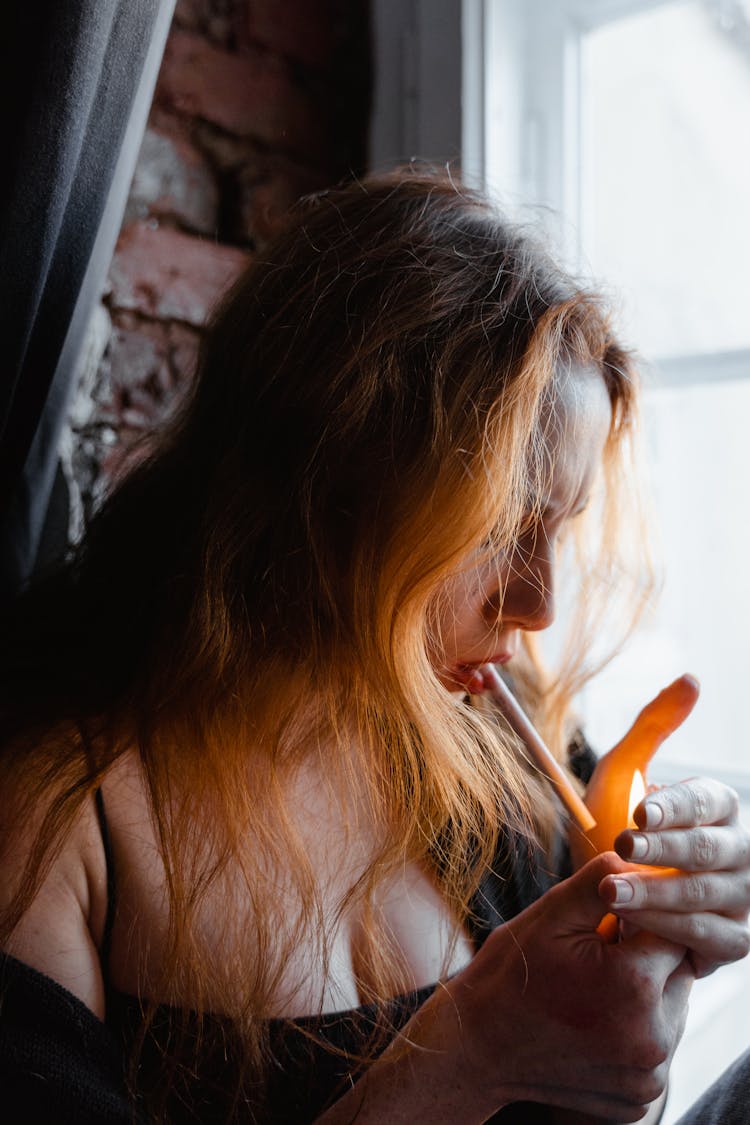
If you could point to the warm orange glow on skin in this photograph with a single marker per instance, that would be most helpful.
(619, 781)
(618, 784)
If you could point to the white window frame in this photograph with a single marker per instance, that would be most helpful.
(534, 110)
(533, 142)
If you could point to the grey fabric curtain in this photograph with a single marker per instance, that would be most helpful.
(76, 82)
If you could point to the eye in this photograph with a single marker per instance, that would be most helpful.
(580, 509)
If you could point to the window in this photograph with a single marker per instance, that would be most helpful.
(665, 107)
(621, 126)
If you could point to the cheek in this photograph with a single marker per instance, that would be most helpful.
(469, 613)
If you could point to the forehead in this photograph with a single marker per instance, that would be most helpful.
(573, 429)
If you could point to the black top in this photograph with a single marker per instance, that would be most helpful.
(59, 1063)
(308, 1073)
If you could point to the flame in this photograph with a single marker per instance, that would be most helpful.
(637, 793)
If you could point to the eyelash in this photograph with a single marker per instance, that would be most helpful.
(532, 519)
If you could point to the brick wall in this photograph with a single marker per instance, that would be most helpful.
(257, 103)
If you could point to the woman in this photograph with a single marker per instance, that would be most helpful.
(256, 803)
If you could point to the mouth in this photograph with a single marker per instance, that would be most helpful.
(475, 665)
(470, 676)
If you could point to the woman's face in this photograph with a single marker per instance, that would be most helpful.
(488, 605)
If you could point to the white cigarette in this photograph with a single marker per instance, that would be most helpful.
(524, 728)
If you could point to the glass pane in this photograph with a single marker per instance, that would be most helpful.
(697, 439)
(666, 176)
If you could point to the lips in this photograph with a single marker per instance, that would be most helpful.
(498, 658)
(464, 674)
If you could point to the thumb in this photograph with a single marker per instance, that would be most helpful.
(660, 718)
(575, 904)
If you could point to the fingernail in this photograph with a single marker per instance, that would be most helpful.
(638, 846)
(623, 892)
(654, 814)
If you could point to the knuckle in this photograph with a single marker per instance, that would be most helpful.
(733, 800)
(649, 996)
(696, 890)
(669, 799)
(661, 1051)
(696, 929)
(742, 942)
(652, 729)
(661, 1075)
(705, 848)
(641, 1087)
(653, 1053)
(653, 1086)
(626, 1108)
(699, 800)
(655, 848)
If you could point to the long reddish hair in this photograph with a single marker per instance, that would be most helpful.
(262, 587)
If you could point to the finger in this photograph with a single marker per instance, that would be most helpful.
(692, 849)
(678, 987)
(702, 967)
(700, 800)
(664, 714)
(574, 905)
(654, 954)
(602, 1105)
(607, 1090)
(712, 937)
(676, 998)
(720, 892)
(596, 1106)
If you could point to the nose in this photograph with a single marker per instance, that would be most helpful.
(529, 600)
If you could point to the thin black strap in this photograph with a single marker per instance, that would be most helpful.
(109, 861)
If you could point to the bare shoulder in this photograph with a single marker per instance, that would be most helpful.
(59, 933)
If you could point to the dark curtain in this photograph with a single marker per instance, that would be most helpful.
(76, 81)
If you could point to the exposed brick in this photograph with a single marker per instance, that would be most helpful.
(264, 196)
(150, 367)
(305, 30)
(173, 179)
(262, 100)
(249, 95)
(183, 351)
(135, 357)
(226, 152)
(140, 350)
(167, 275)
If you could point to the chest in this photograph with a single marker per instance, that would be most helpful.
(326, 949)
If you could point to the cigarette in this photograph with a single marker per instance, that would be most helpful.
(532, 740)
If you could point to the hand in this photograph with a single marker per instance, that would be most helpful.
(560, 1016)
(704, 905)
